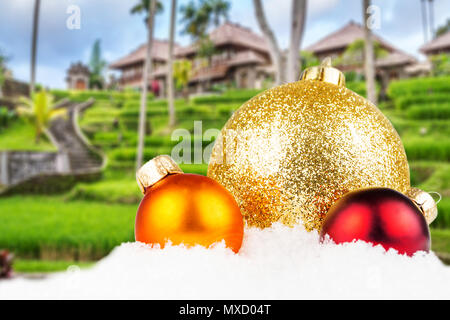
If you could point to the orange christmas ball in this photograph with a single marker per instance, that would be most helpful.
(184, 208)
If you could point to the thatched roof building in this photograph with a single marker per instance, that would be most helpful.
(335, 44)
(241, 56)
(438, 45)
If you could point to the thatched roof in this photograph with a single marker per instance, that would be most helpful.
(342, 38)
(228, 33)
(160, 52)
(78, 68)
(219, 70)
(395, 58)
(231, 34)
(440, 43)
(246, 57)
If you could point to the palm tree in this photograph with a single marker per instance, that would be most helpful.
(37, 4)
(424, 21)
(443, 29)
(149, 6)
(275, 52)
(170, 86)
(3, 71)
(297, 26)
(96, 65)
(40, 111)
(196, 19)
(369, 57)
(142, 7)
(431, 14)
(218, 9)
(182, 73)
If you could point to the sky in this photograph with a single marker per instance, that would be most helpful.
(120, 32)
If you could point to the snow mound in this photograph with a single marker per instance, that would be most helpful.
(275, 263)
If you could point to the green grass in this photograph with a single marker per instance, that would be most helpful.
(111, 191)
(49, 227)
(404, 102)
(44, 266)
(432, 111)
(91, 219)
(413, 86)
(121, 188)
(427, 149)
(440, 240)
(21, 136)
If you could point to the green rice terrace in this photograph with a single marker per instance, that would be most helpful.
(48, 232)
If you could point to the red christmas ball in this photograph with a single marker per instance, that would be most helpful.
(380, 216)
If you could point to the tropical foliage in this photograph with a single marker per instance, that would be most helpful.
(96, 66)
(3, 71)
(39, 110)
(198, 16)
(441, 64)
(142, 7)
(354, 54)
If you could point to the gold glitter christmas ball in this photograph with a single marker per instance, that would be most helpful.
(289, 153)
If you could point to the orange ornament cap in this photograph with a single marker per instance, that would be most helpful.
(185, 208)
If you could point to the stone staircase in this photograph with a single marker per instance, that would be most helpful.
(68, 138)
(48, 172)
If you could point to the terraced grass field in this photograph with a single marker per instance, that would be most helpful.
(92, 218)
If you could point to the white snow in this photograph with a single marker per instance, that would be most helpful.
(274, 263)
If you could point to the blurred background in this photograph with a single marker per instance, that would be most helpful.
(72, 92)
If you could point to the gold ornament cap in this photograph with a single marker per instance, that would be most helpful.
(425, 202)
(155, 170)
(325, 72)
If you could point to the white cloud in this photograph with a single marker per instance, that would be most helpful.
(317, 7)
(46, 75)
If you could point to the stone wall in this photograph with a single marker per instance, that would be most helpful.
(14, 88)
(18, 166)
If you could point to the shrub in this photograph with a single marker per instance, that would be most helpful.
(235, 96)
(6, 117)
(406, 101)
(115, 191)
(357, 86)
(226, 110)
(443, 218)
(129, 154)
(86, 95)
(420, 173)
(428, 150)
(433, 111)
(40, 227)
(418, 86)
(438, 180)
(59, 94)
(136, 103)
(133, 113)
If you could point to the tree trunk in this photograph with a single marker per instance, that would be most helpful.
(147, 71)
(275, 52)
(369, 59)
(37, 4)
(424, 21)
(170, 84)
(431, 14)
(297, 27)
